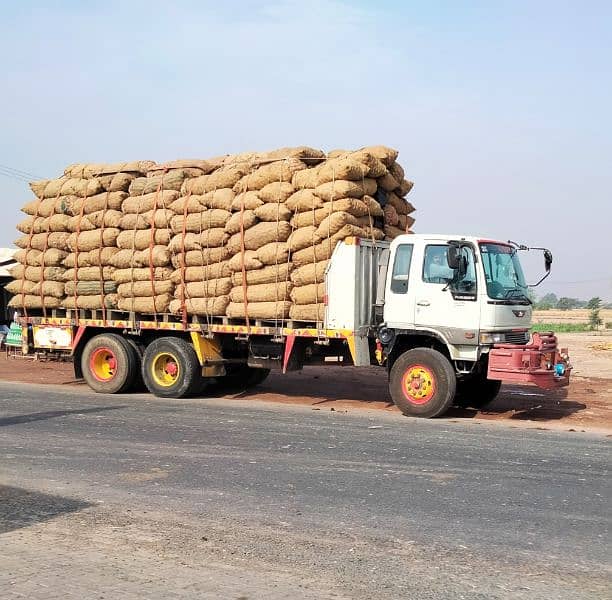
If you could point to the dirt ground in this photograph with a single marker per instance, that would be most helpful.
(575, 315)
(583, 406)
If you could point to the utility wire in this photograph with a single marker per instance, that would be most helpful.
(17, 173)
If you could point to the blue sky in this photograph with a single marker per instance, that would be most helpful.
(500, 110)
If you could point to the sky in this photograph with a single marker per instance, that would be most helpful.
(501, 111)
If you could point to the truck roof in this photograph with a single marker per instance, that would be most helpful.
(444, 237)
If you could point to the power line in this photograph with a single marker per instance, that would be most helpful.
(17, 173)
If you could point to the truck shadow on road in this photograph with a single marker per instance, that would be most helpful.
(52, 414)
(22, 508)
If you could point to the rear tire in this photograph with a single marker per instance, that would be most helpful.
(422, 383)
(170, 368)
(109, 364)
(476, 392)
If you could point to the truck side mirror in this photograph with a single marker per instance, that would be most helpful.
(453, 256)
(548, 258)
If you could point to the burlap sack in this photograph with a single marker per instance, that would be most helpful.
(388, 183)
(346, 189)
(391, 216)
(54, 289)
(313, 293)
(405, 187)
(145, 305)
(307, 312)
(37, 225)
(259, 310)
(211, 238)
(193, 167)
(158, 256)
(154, 200)
(91, 302)
(305, 153)
(278, 171)
(222, 199)
(35, 258)
(392, 232)
(315, 217)
(277, 191)
(73, 206)
(204, 289)
(191, 204)
(34, 274)
(334, 223)
(226, 177)
(265, 292)
(196, 258)
(247, 260)
(337, 169)
(273, 212)
(95, 220)
(139, 239)
(400, 205)
(90, 288)
(119, 182)
(250, 201)
(397, 171)
(90, 240)
(172, 180)
(20, 286)
(258, 235)
(159, 218)
(201, 306)
(43, 241)
(28, 301)
(312, 254)
(145, 288)
(240, 220)
(89, 274)
(196, 223)
(142, 274)
(375, 167)
(99, 256)
(409, 207)
(374, 208)
(214, 271)
(273, 253)
(306, 178)
(92, 170)
(272, 274)
(405, 222)
(386, 155)
(303, 237)
(303, 200)
(66, 186)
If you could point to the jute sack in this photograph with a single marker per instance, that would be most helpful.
(90, 288)
(20, 286)
(197, 222)
(281, 170)
(273, 212)
(95, 220)
(73, 206)
(315, 217)
(43, 241)
(248, 200)
(222, 199)
(194, 166)
(271, 274)
(259, 310)
(204, 289)
(387, 182)
(145, 288)
(226, 177)
(305, 153)
(90, 240)
(346, 189)
(341, 168)
(375, 167)
(158, 256)
(158, 218)
(142, 274)
(311, 273)
(322, 251)
(35, 258)
(139, 239)
(119, 182)
(140, 204)
(303, 200)
(196, 258)
(260, 234)
(405, 187)
(53, 223)
(167, 181)
(273, 253)
(93, 258)
(308, 294)
(145, 305)
(91, 302)
(247, 260)
(391, 216)
(265, 292)
(303, 237)
(214, 271)
(89, 274)
(54, 289)
(334, 223)
(392, 232)
(275, 192)
(397, 171)
(240, 220)
(201, 306)
(374, 207)
(30, 301)
(307, 312)
(211, 238)
(64, 186)
(34, 274)
(40, 208)
(306, 178)
(385, 154)
(190, 204)
(92, 170)
(399, 204)
(405, 222)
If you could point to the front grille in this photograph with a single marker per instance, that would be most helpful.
(517, 337)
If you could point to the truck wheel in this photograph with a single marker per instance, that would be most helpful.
(422, 383)
(170, 368)
(138, 349)
(476, 392)
(109, 364)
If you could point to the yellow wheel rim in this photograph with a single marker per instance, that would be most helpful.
(103, 364)
(165, 369)
(419, 384)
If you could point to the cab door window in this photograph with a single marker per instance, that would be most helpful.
(401, 269)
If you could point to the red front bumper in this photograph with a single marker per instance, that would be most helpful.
(540, 362)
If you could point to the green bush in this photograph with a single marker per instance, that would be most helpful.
(561, 327)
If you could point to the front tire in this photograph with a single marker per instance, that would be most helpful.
(170, 368)
(422, 383)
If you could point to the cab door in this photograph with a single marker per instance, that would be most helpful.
(399, 297)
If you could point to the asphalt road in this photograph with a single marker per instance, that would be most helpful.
(242, 499)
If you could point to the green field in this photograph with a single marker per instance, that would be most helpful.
(561, 327)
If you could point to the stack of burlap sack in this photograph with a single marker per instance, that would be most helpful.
(243, 236)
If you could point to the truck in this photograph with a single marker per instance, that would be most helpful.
(448, 318)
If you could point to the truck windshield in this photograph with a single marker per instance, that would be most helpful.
(503, 272)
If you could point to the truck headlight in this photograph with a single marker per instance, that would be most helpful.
(492, 338)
